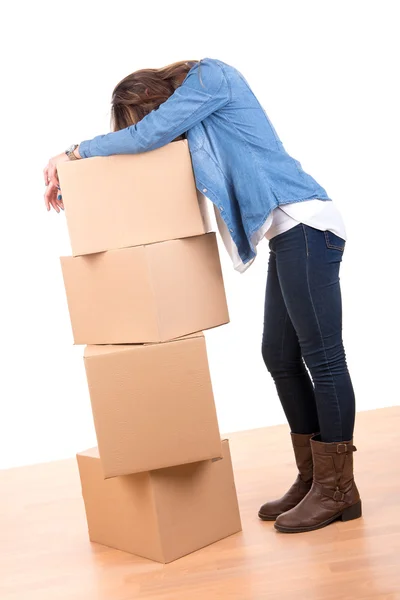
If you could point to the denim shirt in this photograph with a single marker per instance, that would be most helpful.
(238, 160)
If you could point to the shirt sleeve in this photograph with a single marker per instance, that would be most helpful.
(195, 99)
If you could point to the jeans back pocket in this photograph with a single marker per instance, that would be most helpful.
(334, 241)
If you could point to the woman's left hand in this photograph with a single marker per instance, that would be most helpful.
(52, 196)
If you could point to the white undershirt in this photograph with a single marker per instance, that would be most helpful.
(320, 214)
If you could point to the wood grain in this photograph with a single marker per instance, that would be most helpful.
(45, 553)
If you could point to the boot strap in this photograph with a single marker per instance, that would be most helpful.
(336, 495)
(339, 448)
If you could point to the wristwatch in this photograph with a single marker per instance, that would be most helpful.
(70, 152)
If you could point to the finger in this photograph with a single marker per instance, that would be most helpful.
(47, 196)
(53, 199)
(46, 202)
(51, 175)
(50, 196)
(54, 179)
(54, 204)
(46, 176)
(60, 200)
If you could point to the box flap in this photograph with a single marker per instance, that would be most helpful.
(91, 453)
(101, 349)
(196, 334)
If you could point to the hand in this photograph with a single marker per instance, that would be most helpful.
(52, 197)
(50, 172)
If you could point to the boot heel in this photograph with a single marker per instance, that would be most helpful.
(353, 512)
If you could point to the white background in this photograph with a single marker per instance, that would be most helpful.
(326, 73)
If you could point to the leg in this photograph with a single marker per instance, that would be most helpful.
(282, 356)
(308, 262)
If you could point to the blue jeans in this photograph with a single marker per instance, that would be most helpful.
(303, 328)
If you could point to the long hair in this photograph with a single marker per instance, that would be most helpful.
(142, 91)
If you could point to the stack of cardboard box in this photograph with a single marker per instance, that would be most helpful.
(143, 281)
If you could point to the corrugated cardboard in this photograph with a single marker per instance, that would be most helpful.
(149, 293)
(128, 200)
(153, 405)
(164, 514)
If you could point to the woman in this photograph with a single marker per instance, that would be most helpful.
(259, 190)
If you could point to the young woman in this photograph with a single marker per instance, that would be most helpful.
(259, 190)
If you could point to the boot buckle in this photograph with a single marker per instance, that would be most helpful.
(343, 446)
(338, 496)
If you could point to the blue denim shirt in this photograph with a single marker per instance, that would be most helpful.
(239, 162)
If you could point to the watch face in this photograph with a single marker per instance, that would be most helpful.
(71, 148)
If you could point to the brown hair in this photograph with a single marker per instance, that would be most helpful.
(142, 91)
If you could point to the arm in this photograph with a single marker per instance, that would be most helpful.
(187, 106)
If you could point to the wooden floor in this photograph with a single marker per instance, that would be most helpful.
(45, 553)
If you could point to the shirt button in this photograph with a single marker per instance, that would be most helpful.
(231, 230)
(204, 189)
(221, 208)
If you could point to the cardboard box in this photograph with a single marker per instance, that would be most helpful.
(153, 405)
(149, 293)
(128, 200)
(163, 514)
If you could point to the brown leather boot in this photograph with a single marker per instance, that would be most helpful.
(302, 485)
(333, 495)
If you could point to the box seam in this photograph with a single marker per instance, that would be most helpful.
(157, 515)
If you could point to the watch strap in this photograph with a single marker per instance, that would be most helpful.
(70, 152)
